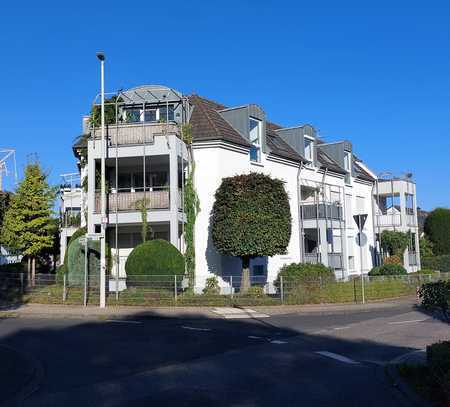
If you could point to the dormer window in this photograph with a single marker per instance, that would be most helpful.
(309, 149)
(255, 139)
(348, 166)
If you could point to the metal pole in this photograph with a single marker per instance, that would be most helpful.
(281, 290)
(361, 263)
(64, 288)
(21, 283)
(103, 190)
(231, 286)
(175, 287)
(85, 270)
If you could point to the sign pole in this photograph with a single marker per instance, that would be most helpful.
(360, 221)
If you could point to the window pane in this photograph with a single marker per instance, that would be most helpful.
(150, 116)
(163, 113)
(254, 153)
(255, 127)
(308, 149)
(133, 115)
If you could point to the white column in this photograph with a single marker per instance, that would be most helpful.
(173, 157)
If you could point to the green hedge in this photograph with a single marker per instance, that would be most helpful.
(75, 262)
(437, 263)
(155, 258)
(305, 272)
(388, 270)
(436, 294)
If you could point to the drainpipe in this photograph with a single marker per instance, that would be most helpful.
(301, 242)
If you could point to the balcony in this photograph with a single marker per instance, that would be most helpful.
(389, 220)
(312, 258)
(136, 133)
(321, 211)
(335, 261)
(125, 201)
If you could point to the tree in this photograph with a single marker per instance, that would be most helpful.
(394, 243)
(437, 229)
(426, 247)
(28, 226)
(251, 218)
(5, 198)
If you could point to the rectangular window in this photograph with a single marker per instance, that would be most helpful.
(255, 139)
(409, 204)
(347, 161)
(150, 115)
(309, 149)
(259, 270)
(163, 113)
(133, 115)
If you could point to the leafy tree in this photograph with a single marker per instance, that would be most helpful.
(437, 229)
(394, 243)
(110, 112)
(28, 225)
(426, 247)
(5, 198)
(251, 217)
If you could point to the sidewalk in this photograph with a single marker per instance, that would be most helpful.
(95, 312)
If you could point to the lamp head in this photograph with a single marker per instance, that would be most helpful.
(100, 56)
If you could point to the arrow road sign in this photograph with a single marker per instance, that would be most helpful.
(360, 220)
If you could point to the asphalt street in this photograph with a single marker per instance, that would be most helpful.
(331, 359)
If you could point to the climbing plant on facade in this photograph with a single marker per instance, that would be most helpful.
(191, 207)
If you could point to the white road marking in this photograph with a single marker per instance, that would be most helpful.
(123, 321)
(277, 342)
(338, 328)
(255, 337)
(407, 322)
(320, 332)
(191, 328)
(238, 313)
(336, 356)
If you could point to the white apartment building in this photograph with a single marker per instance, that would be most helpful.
(146, 162)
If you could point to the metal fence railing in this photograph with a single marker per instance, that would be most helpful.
(176, 290)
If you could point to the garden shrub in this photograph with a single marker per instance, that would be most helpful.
(437, 263)
(211, 286)
(75, 262)
(435, 294)
(78, 233)
(305, 272)
(437, 229)
(155, 258)
(394, 259)
(388, 270)
(60, 271)
(438, 361)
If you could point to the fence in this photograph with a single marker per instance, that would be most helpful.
(173, 291)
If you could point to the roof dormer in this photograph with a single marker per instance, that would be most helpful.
(302, 139)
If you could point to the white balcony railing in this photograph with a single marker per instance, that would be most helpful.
(411, 220)
(335, 260)
(130, 201)
(389, 220)
(312, 258)
(412, 257)
(136, 133)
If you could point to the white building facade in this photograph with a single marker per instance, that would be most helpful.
(147, 161)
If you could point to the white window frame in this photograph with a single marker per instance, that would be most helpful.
(311, 139)
(257, 144)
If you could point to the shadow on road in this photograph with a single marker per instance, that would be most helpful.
(198, 361)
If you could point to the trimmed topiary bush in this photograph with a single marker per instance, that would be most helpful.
(155, 258)
(437, 229)
(436, 294)
(388, 270)
(75, 262)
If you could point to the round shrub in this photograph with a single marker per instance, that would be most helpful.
(78, 233)
(155, 258)
(388, 270)
(305, 272)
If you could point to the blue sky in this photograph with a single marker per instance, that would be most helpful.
(378, 75)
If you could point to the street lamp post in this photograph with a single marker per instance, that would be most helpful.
(101, 58)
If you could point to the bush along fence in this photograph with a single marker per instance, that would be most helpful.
(174, 290)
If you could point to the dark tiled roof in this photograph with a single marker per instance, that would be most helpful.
(326, 161)
(208, 124)
(359, 172)
(279, 147)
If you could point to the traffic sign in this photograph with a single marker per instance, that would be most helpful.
(360, 220)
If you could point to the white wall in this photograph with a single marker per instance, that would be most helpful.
(215, 161)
